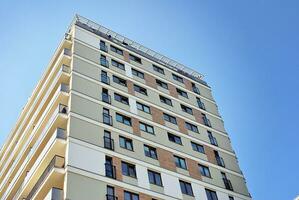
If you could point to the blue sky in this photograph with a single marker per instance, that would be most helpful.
(248, 51)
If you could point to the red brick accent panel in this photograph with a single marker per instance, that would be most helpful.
(157, 115)
(193, 169)
(166, 159)
(188, 84)
(198, 116)
(150, 81)
(135, 126)
(117, 163)
(130, 86)
(119, 192)
(172, 91)
(181, 125)
(210, 154)
(126, 56)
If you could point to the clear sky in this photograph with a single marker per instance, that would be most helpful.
(247, 50)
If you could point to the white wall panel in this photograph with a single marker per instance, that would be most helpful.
(171, 186)
(142, 177)
(199, 192)
(86, 159)
(87, 38)
(133, 106)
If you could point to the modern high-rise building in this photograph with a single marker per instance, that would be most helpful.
(111, 119)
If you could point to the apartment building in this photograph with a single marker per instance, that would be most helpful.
(111, 119)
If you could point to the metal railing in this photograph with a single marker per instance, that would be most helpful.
(106, 98)
(227, 183)
(67, 52)
(103, 47)
(110, 170)
(111, 197)
(201, 105)
(108, 143)
(136, 47)
(105, 79)
(107, 119)
(220, 161)
(207, 122)
(104, 62)
(196, 90)
(56, 162)
(213, 140)
(66, 69)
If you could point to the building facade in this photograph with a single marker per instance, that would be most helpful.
(112, 119)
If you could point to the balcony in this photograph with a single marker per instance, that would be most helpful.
(227, 183)
(53, 116)
(206, 122)
(196, 90)
(220, 161)
(111, 197)
(105, 79)
(110, 170)
(56, 162)
(54, 194)
(106, 98)
(43, 99)
(107, 119)
(67, 52)
(54, 147)
(104, 62)
(108, 143)
(103, 47)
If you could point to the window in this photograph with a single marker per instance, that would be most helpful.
(200, 104)
(140, 89)
(165, 100)
(191, 127)
(182, 93)
(169, 118)
(103, 46)
(135, 58)
(154, 178)
(121, 98)
(110, 193)
(180, 162)
(197, 147)
(186, 188)
(119, 81)
(150, 152)
(125, 143)
(204, 171)
(211, 195)
(130, 196)
(123, 119)
(177, 78)
(143, 108)
(213, 140)
(128, 169)
(137, 73)
(162, 84)
(116, 50)
(206, 121)
(174, 138)
(187, 109)
(117, 64)
(146, 128)
(158, 69)
(231, 198)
